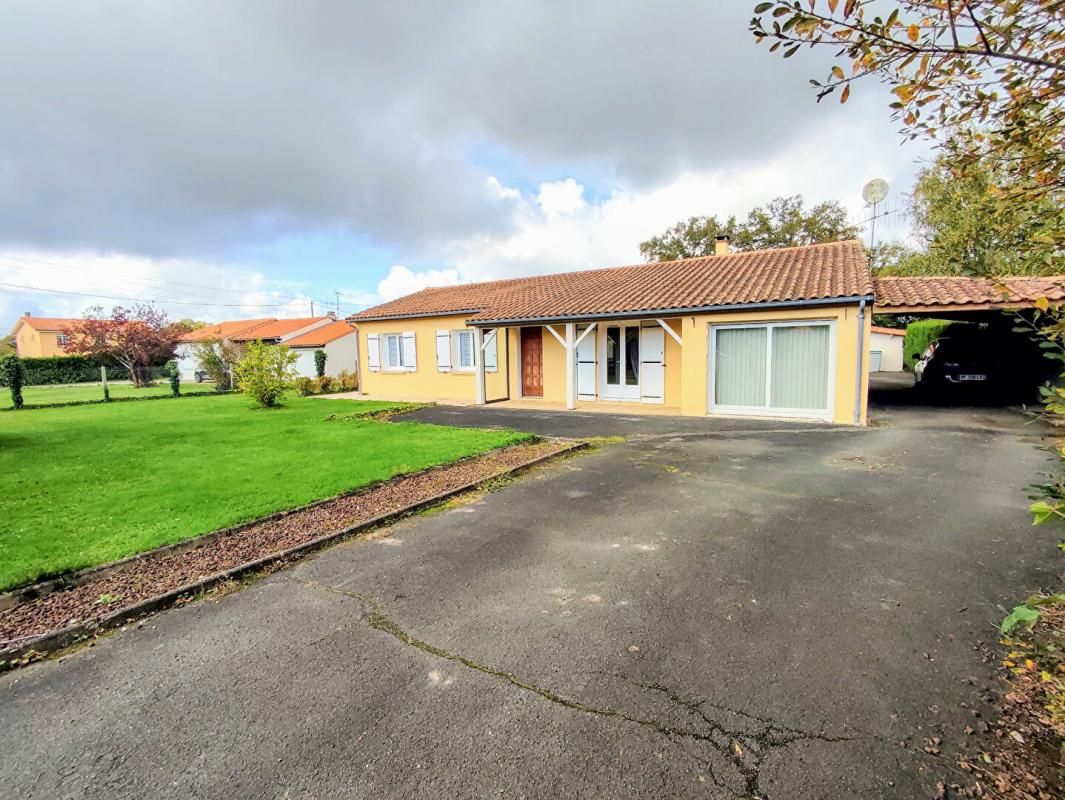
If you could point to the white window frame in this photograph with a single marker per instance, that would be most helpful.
(767, 410)
(387, 365)
(456, 351)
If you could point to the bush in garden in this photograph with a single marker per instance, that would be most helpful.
(303, 386)
(919, 335)
(174, 376)
(215, 357)
(325, 384)
(319, 363)
(265, 371)
(11, 369)
(347, 381)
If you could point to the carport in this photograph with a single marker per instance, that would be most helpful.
(962, 299)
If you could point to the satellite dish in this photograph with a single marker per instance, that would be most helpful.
(875, 191)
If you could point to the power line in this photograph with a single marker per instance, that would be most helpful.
(129, 279)
(145, 281)
(146, 300)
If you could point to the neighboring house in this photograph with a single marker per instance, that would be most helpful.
(774, 332)
(339, 341)
(38, 337)
(240, 332)
(184, 352)
(885, 349)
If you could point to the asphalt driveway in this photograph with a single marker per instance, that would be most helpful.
(706, 609)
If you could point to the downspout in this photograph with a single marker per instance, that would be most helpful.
(861, 356)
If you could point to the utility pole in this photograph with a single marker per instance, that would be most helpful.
(312, 308)
(338, 303)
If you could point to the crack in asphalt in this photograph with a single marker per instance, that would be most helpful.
(745, 750)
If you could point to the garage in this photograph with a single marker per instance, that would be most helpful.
(773, 369)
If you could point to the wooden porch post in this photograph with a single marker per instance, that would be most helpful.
(571, 365)
(478, 363)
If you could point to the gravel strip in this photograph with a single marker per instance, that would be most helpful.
(156, 574)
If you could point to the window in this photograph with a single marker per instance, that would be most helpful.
(462, 350)
(62, 339)
(397, 351)
(456, 350)
(782, 368)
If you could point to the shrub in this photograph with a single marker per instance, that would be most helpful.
(303, 386)
(919, 335)
(264, 372)
(215, 358)
(325, 384)
(174, 376)
(319, 363)
(347, 381)
(11, 369)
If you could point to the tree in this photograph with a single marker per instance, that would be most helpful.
(783, 222)
(319, 363)
(984, 79)
(135, 338)
(8, 346)
(12, 374)
(216, 357)
(265, 372)
(187, 324)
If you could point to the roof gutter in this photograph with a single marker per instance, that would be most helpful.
(672, 312)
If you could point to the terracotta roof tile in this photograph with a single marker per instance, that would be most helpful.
(888, 331)
(962, 291)
(275, 329)
(223, 330)
(812, 272)
(322, 336)
(46, 323)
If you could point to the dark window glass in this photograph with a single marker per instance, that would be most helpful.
(613, 348)
(632, 356)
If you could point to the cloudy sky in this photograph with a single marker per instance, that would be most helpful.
(248, 157)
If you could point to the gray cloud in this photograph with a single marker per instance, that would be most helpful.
(180, 127)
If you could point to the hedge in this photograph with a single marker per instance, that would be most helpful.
(919, 335)
(65, 369)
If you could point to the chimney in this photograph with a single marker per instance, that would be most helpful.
(26, 314)
(721, 246)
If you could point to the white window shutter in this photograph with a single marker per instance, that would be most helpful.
(443, 351)
(491, 351)
(410, 354)
(373, 352)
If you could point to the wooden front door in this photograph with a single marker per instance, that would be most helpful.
(532, 362)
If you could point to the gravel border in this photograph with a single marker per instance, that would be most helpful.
(23, 649)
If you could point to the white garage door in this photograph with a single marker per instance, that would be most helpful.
(875, 357)
(779, 369)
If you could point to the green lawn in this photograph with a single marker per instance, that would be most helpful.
(49, 395)
(84, 485)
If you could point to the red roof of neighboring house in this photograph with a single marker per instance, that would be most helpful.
(837, 270)
(322, 336)
(276, 328)
(45, 323)
(223, 330)
(955, 290)
(889, 331)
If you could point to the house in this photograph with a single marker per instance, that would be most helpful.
(339, 341)
(781, 332)
(885, 349)
(39, 337)
(221, 331)
(303, 334)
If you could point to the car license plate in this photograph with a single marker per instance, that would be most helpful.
(972, 377)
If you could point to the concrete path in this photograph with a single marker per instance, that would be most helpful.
(709, 609)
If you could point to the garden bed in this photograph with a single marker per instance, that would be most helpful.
(110, 596)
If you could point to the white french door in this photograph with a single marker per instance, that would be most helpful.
(619, 359)
(783, 369)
